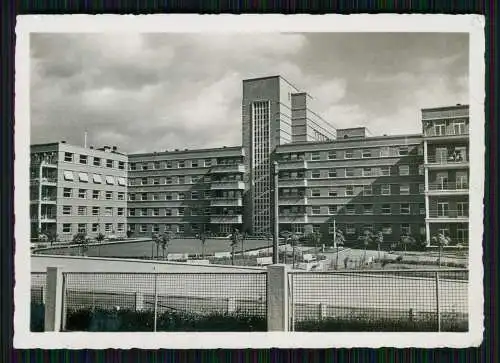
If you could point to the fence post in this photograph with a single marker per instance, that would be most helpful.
(139, 301)
(438, 310)
(322, 311)
(156, 302)
(277, 298)
(54, 299)
(230, 305)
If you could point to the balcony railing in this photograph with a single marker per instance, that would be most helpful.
(50, 180)
(436, 213)
(292, 200)
(227, 219)
(292, 164)
(48, 218)
(293, 218)
(454, 159)
(292, 183)
(448, 186)
(228, 168)
(227, 185)
(450, 132)
(226, 202)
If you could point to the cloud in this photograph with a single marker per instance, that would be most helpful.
(147, 92)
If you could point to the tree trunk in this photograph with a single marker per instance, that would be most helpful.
(439, 256)
(232, 255)
(337, 258)
(378, 248)
(157, 251)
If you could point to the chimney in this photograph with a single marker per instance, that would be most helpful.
(91, 147)
(63, 142)
(115, 148)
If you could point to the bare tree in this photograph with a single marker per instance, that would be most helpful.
(339, 241)
(379, 239)
(366, 238)
(442, 240)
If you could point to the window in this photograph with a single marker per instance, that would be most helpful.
(349, 209)
(462, 209)
(109, 195)
(66, 210)
(332, 155)
(83, 177)
(168, 212)
(95, 227)
(144, 212)
(156, 165)
(156, 212)
(110, 180)
(349, 154)
(121, 165)
(131, 212)
(387, 229)
(181, 164)
(403, 150)
(68, 175)
(168, 196)
(367, 190)
(131, 196)
(95, 211)
(66, 228)
(421, 188)
(121, 195)
(349, 190)
(405, 208)
(332, 173)
(155, 196)
(181, 196)
(68, 157)
(82, 228)
(143, 228)
(315, 156)
(420, 169)
(144, 181)
(350, 229)
(385, 152)
(332, 209)
(194, 163)
(421, 208)
(195, 195)
(332, 193)
(144, 196)
(367, 171)
(404, 170)
(82, 210)
(82, 193)
(180, 211)
(208, 162)
(404, 189)
(120, 227)
(67, 193)
(169, 180)
(385, 170)
(120, 211)
(97, 179)
(367, 154)
(156, 181)
(349, 172)
(108, 211)
(367, 208)
(439, 129)
(83, 159)
(181, 228)
(315, 174)
(195, 179)
(121, 181)
(181, 180)
(405, 229)
(316, 209)
(97, 161)
(385, 189)
(386, 209)
(315, 193)
(133, 166)
(108, 227)
(96, 194)
(109, 163)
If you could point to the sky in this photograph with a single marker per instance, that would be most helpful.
(155, 92)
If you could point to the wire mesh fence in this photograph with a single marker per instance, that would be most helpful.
(399, 300)
(164, 301)
(38, 280)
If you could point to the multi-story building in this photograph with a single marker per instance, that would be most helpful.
(361, 183)
(186, 191)
(446, 150)
(75, 189)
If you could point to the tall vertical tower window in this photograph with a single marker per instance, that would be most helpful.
(261, 149)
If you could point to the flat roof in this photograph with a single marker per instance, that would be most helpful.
(227, 148)
(445, 108)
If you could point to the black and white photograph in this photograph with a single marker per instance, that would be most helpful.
(213, 181)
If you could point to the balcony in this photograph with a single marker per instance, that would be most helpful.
(293, 218)
(228, 168)
(48, 219)
(46, 199)
(227, 185)
(227, 219)
(292, 183)
(292, 165)
(226, 202)
(447, 188)
(447, 162)
(459, 133)
(439, 215)
(292, 200)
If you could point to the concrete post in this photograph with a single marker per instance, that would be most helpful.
(54, 299)
(230, 305)
(139, 301)
(277, 298)
(322, 311)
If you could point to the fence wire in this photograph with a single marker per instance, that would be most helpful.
(379, 301)
(163, 301)
(38, 281)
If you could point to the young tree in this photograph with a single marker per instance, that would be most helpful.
(379, 239)
(156, 241)
(235, 239)
(81, 239)
(203, 238)
(442, 240)
(294, 238)
(339, 240)
(165, 242)
(366, 238)
(407, 240)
